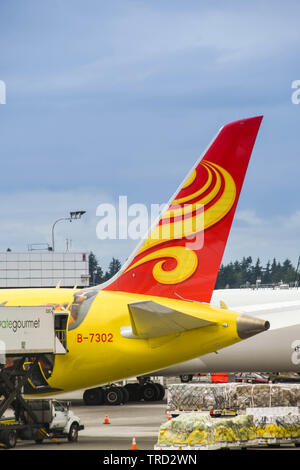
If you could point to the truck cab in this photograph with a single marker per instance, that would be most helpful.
(64, 421)
(57, 418)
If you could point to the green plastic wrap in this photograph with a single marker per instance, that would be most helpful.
(194, 429)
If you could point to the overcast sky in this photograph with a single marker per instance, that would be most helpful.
(120, 98)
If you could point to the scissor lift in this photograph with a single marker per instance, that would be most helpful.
(30, 336)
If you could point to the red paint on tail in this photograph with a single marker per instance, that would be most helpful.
(168, 264)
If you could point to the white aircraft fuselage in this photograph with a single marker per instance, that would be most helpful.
(277, 350)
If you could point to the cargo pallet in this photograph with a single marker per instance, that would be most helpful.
(240, 445)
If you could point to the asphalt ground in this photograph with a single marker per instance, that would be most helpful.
(139, 420)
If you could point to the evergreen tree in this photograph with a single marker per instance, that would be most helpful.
(93, 266)
(266, 277)
(95, 271)
(237, 274)
(274, 271)
(256, 272)
(113, 268)
(288, 272)
(99, 277)
(246, 266)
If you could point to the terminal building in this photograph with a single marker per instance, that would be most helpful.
(43, 269)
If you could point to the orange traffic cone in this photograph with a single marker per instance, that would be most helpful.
(106, 420)
(133, 445)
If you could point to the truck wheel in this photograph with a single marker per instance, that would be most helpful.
(113, 396)
(186, 378)
(150, 391)
(39, 435)
(93, 396)
(10, 439)
(73, 433)
(39, 441)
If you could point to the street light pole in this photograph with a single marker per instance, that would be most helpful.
(58, 220)
(73, 216)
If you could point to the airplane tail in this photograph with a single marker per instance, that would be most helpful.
(182, 255)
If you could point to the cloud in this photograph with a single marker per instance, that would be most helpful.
(27, 218)
(274, 236)
(124, 95)
(249, 217)
(140, 41)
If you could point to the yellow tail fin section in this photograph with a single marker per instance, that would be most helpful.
(152, 320)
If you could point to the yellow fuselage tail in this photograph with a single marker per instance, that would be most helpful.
(99, 354)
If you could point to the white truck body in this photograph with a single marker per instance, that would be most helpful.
(63, 418)
(55, 416)
(28, 329)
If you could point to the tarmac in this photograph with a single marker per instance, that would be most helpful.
(139, 420)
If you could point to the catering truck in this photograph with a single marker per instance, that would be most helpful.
(40, 419)
(30, 336)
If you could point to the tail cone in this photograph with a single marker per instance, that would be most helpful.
(248, 326)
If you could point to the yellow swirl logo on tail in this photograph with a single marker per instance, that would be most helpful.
(186, 264)
(185, 218)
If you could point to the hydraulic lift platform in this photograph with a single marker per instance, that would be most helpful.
(29, 337)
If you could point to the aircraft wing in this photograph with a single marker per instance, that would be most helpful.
(151, 320)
